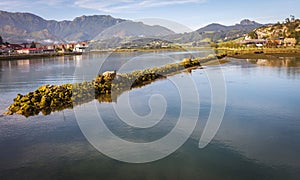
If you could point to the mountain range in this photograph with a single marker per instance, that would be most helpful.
(245, 25)
(20, 27)
(27, 27)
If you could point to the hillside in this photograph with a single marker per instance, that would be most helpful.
(218, 32)
(289, 29)
(245, 25)
(20, 27)
(133, 29)
(215, 32)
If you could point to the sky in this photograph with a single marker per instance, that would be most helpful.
(193, 14)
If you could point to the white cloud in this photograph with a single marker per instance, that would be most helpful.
(112, 6)
(52, 2)
(6, 4)
(17, 4)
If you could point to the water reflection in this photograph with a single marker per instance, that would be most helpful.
(258, 138)
(280, 62)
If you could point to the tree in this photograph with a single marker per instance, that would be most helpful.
(1, 40)
(292, 18)
(33, 45)
(253, 35)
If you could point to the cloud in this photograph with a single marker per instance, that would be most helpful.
(17, 4)
(113, 6)
(4, 4)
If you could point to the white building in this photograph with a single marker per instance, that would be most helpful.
(80, 47)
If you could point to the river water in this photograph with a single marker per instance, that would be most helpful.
(258, 137)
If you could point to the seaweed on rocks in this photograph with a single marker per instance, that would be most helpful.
(50, 98)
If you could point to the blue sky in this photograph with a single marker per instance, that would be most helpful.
(191, 13)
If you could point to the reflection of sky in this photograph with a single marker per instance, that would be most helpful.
(258, 136)
(262, 116)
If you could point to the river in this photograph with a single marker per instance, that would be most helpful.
(258, 137)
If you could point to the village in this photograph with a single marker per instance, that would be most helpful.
(269, 43)
(38, 48)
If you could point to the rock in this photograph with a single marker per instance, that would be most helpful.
(109, 75)
(186, 60)
(48, 98)
(8, 113)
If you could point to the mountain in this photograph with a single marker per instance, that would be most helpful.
(133, 29)
(212, 27)
(20, 27)
(245, 25)
(82, 28)
(217, 32)
(14, 35)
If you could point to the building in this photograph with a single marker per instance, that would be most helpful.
(257, 42)
(80, 47)
(14, 46)
(30, 51)
(290, 42)
(70, 46)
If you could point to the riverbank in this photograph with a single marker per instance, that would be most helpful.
(259, 53)
(33, 56)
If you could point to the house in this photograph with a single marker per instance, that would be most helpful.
(53, 46)
(48, 51)
(61, 48)
(70, 46)
(290, 42)
(26, 45)
(37, 45)
(14, 46)
(30, 51)
(273, 43)
(80, 47)
(257, 42)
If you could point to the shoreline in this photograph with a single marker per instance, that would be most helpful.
(34, 56)
(263, 53)
(245, 53)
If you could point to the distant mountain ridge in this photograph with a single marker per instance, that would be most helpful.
(215, 32)
(245, 24)
(131, 29)
(27, 27)
(20, 27)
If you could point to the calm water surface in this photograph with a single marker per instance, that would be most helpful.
(258, 138)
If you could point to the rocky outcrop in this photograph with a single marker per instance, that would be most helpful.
(49, 98)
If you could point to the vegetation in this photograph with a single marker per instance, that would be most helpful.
(290, 28)
(32, 45)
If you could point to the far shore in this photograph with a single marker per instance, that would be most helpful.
(241, 53)
(259, 53)
(33, 56)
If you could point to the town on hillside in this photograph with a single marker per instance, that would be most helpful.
(279, 35)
